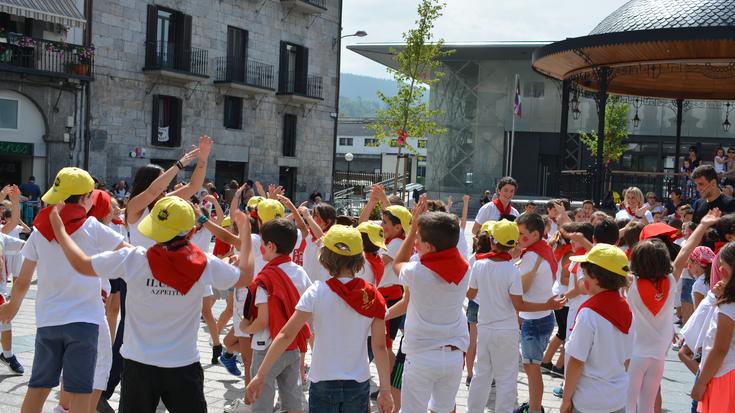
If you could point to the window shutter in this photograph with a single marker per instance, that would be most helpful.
(302, 68)
(152, 23)
(283, 69)
(176, 118)
(184, 58)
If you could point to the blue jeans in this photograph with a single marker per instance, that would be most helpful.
(535, 337)
(339, 396)
(686, 290)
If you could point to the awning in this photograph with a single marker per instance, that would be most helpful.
(55, 11)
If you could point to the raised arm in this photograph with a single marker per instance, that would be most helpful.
(215, 228)
(712, 218)
(299, 220)
(217, 209)
(465, 210)
(247, 261)
(369, 206)
(14, 195)
(404, 253)
(80, 261)
(140, 202)
(200, 172)
(315, 229)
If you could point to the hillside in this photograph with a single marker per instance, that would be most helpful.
(358, 94)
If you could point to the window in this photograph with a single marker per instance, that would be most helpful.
(8, 114)
(233, 112)
(166, 124)
(293, 69)
(237, 53)
(533, 89)
(422, 143)
(168, 39)
(345, 141)
(287, 179)
(371, 142)
(289, 135)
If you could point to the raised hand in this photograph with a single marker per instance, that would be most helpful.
(286, 202)
(241, 220)
(205, 146)
(14, 194)
(712, 217)
(465, 198)
(55, 218)
(419, 209)
(189, 157)
(209, 198)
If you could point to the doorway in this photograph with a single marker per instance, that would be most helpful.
(10, 171)
(287, 179)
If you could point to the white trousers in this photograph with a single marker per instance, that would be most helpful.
(431, 380)
(497, 358)
(644, 379)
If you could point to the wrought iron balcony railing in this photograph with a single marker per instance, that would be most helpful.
(30, 55)
(248, 72)
(175, 57)
(312, 87)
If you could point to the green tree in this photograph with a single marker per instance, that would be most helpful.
(407, 114)
(616, 132)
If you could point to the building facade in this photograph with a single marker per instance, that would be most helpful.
(477, 94)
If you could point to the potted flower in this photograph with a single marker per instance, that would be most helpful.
(84, 56)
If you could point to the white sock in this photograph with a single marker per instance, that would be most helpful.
(7, 354)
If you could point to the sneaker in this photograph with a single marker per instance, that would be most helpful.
(216, 352)
(557, 371)
(13, 364)
(237, 406)
(230, 364)
(374, 395)
(59, 409)
(558, 392)
(468, 381)
(546, 367)
(525, 409)
(103, 406)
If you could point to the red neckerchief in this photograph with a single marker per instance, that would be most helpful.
(377, 265)
(495, 256)
(180, 269)
(630, 212)
(282, 299)
(100, 205)
(575, 267)
(611, 306)
(389, 239)
(220, 248)
(719, 245)
(118, 221)
(502, 210)
(544, 251)
(313, 237)
(448, 264)
(362, 296)
(298, 253)
(654, 293)
(72, 215)
(560, 252)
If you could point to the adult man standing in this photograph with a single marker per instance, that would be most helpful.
(30, 190)
(705, 178)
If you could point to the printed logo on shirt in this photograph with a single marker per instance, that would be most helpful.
(159, 288)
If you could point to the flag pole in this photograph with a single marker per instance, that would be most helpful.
(513, 127)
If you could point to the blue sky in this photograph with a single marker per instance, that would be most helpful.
(469, 20)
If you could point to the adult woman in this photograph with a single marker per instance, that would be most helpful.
(633, 207)
(120, 190)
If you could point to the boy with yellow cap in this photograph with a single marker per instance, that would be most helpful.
(495, 283)
(344, 309)
(69, 309)
(599, 345)
(165, 285)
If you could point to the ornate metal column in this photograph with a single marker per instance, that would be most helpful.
(603, 77)
(566, 86)
(679, 119)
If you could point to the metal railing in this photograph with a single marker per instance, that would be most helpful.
(173, 56)
(249, 72)
(577, 184)
(25, 54)
(313, 87)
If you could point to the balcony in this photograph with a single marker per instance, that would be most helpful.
(307, 6)
(249, 76)
(300, 89)
(176, 62)
(27, 55)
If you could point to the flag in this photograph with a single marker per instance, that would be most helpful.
(517, 109)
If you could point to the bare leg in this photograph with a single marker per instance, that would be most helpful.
(80, 402)
(247, 356)
(554, 345)
(225, 315)
(535, 386)
(6, 337)
(207, 303)
(471, 350)
(64, 398)
(34, 400)
(93, 401)
(560, 361)
(112, 309)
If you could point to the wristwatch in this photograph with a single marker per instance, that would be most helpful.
(201, 220)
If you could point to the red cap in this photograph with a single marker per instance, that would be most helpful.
(658, 229)
(100, 205)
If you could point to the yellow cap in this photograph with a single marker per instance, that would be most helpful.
(374, 232)
(226, 221)
(254, 201)
(403, 215)
(343, 240)
(269, 209)
(503, 232)
(606, 256)
(171, 216)
(69, 181)
(487, 226)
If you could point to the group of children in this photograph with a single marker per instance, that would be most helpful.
(299, 281)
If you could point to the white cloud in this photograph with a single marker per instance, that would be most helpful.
(469, 20)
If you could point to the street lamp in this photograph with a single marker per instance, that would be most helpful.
(726, 123)
(359, 33)
(636, 119)
(348, 158)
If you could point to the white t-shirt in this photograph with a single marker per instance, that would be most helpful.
(463, 245)
(202, 238)
(574, 278)
(495, 282)
(652, 334)
(603, 385)
(366, 273)
(540, 290)
(720, 167)
(161, 324)
(695, 329)
(339, 352)
(623, 214)
(435, 315)
(241, 294)
(120, 229)
(65, 296)
(136, 238)
(9, 247)
(728, 363)
(389, 277)
(262, 339)
(489, 212)
(311, 260)
(700, 287)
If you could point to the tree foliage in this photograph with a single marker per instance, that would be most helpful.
(616, 132)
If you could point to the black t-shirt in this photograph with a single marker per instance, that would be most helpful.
(702, 207)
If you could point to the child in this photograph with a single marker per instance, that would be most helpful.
(165, 284)
(700, 265)
(9, 246)
(538, 268)
(436, 327)
(322, 217)
(599, 344)
(273, 296)
(68, 305)
(372, 241)
(500, 207)
(344, 309)
(715, 386)
(496, 284)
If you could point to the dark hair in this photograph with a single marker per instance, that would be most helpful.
(509, 217)
(368, 245)
(327, 213)
(482, 243)
(530, 203)
(345, 220)
(725, 226)
(705, 171)
(727, 255)
(676, 191)
(144, 177)
(533, 223)
(585, 229)
(74, 199)
(632, 234)
(392, 218)
(506, 180)
(204, 211)
(395, 200)
(254, 226)
(7, 214)
(588, 201)
(250, 183)
(676, 223)
(650, 259)
(606, 231)
(436, 205)
(334, 263)
(439, 229)
(281, 232)
(605, 278)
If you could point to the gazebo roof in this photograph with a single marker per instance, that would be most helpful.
(658, 48)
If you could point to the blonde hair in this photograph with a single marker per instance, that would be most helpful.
(637, 193)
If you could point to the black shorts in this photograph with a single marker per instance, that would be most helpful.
(561, 322)
(180, 388)
(396, 375)
(395, 324)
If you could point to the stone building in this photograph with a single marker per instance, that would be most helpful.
(259, 76)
